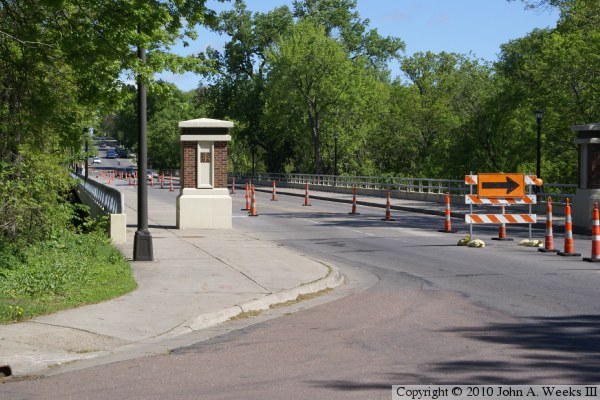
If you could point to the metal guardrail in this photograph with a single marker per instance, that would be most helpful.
(110, 199)
(415, 185)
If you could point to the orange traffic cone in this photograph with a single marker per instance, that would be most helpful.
(447, 223)
(171, 189)
(502, 229)
(549, 240)
(129, 178)
(253, 212)
(595, 236)
(306, 203)
(233, 185)
(247, 198)
(569, 243)
(162, 180)
(274, 197)
(388, 209)
(353, 212)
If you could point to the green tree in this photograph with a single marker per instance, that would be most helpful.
(554, 70)
(310, 78)
(63, 63)
(342, 22)
(163, 132)
(237, 91)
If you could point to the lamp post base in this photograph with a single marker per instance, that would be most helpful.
(142, 246)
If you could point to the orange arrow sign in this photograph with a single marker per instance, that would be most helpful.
(500, 185)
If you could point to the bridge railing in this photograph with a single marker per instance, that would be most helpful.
(109, 199)
(415, 185)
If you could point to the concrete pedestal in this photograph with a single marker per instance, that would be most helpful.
(583, 204)
(204, 209)
(588, 189)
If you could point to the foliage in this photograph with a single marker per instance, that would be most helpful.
(163, 133)
(449, 114)
(33, 196)
(554, 70)
(65, 271)
(281, 139)
(62, 64)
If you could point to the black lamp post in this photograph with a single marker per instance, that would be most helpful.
(86, 132)
(142, 241)
(538, 167)
(335, 169)
(253, 154)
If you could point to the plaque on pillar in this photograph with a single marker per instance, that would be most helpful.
(588, 186)
(204, 201)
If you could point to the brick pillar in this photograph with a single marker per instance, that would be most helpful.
(189, 167)
(220, 165)
(593, 167)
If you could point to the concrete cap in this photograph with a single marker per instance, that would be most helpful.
(587, 127)
(205, 123)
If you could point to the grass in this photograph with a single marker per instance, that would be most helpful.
(61, 273)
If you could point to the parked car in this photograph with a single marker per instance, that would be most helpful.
(111, 153)
(97, 160)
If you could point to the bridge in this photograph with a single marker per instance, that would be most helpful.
(104, 194)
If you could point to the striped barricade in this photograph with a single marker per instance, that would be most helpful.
(474, 199)
(503, 190)
(501, 218)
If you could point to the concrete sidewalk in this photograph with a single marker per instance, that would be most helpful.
(199, 278)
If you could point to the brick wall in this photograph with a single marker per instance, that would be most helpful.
(189, 167)
(220, 166)
(593, 166)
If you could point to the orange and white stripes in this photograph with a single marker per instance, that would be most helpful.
(473, 179)
(274, 195)
(388, 209)
(595, 236)
(569, 242)
(247, 197)
(549, 239)
(306, 197)
(447, 223)
(501, 218)
(474, 199)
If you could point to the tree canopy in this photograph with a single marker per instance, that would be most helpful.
(292, 79)
(65, 64)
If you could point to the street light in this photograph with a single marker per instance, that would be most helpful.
(335, 170)
(143, 249)
(85, 164)
(538, 167)
(253, 153)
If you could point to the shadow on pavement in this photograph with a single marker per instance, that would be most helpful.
(564, 348)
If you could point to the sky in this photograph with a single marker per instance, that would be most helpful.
(476, 27)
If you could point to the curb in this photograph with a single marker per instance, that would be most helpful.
(37, 364)
(333, 279)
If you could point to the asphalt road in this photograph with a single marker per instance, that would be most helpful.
(417, 310)
(111, 163)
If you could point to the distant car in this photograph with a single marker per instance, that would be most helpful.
(97, 160)
(111, 153)
(151, 173)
